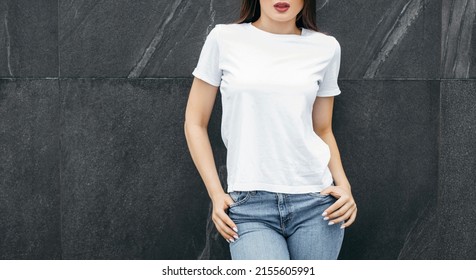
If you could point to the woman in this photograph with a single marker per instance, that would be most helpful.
(288, 196)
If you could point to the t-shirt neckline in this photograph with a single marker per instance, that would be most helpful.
(276, 35)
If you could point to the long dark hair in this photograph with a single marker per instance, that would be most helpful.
(251, 11)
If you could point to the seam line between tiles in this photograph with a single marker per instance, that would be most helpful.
(60, 127)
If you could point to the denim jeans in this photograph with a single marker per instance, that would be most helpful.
(283, 226)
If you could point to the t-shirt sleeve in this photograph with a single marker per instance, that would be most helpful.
(328, 86)
(208, 68)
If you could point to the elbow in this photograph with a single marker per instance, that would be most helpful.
(322, 131)
(189, 127)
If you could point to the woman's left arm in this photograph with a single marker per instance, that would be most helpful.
(345, 208)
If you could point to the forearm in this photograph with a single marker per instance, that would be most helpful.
(335, 163)
(201, 151)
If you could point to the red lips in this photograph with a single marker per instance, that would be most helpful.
(281, 7)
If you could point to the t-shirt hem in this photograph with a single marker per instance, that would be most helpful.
(328, 93)
(204, 77)
(278, 188)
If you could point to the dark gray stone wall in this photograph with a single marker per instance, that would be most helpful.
(94, 162)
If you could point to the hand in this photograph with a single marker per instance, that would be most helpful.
(225, 226)
(344, 209)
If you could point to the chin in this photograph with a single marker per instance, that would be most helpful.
(282, 19)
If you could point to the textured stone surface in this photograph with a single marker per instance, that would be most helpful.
(421, 242)
(394, 39)
(150, 38)
(130, 189)
(458, 56)
(387, 134)
(94, 165)
(398, 38)
(457, 183)
(29, 170)
(28, 38)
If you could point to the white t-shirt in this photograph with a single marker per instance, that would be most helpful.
(268, 83)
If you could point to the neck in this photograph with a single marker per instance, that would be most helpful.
(277, 27)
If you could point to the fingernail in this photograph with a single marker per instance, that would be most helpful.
(342, 226)
(326, 218)
(235, 229)
(227, 240)
(235, 236)
(324, 214)
(232, 240)
(331, 223)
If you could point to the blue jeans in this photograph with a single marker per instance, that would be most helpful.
(283, 226)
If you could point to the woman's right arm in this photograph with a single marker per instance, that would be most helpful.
(197, 115)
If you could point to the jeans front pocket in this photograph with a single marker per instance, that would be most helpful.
(239, 197)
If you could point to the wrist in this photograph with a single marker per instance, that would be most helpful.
(216, 194)
(344, 184)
